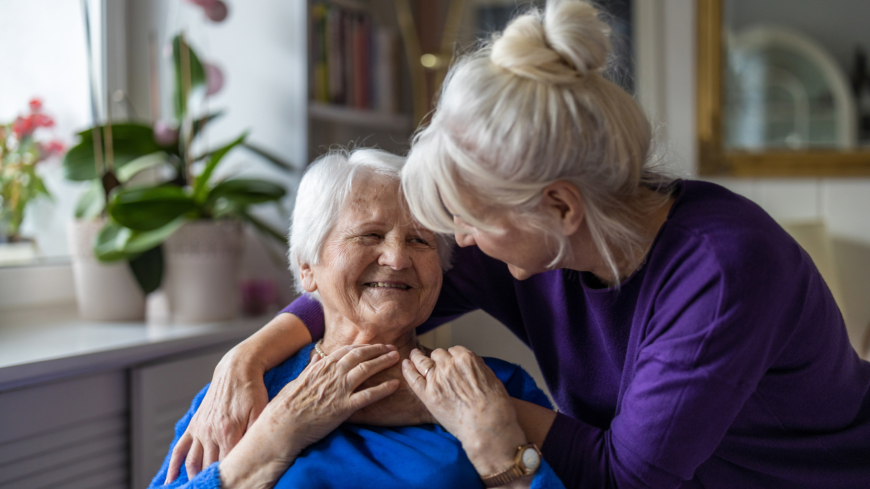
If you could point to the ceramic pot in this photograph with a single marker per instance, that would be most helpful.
(104, 291)
(201, 276)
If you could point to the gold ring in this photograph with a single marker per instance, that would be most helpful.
(426, 373)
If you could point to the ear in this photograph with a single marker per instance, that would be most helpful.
(563, 201)
(308, 282)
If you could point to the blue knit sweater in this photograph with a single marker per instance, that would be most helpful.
(368, 456)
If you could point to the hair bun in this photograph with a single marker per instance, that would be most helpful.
(566, 42)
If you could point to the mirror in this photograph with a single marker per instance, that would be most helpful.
(783, 88)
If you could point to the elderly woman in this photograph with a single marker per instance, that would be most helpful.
(686, 338)
(377, 274)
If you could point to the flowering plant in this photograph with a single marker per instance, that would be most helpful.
(141, 217)
(20, 152)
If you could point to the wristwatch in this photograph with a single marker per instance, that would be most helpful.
(526, 462)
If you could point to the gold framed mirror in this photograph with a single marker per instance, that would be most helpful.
(771, 99)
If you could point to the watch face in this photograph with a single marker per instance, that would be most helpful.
(531, 459)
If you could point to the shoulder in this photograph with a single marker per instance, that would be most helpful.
(285, 372)
(712, 230)
(518, 383)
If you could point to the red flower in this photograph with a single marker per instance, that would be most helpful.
(22, 127)
(35, 104)
(53, 147)
(42, 120)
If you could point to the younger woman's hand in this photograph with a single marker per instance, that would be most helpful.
(306, 410)
(470, 402)
(236, 397)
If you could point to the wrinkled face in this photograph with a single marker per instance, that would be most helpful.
(526, 251)
(378, 268)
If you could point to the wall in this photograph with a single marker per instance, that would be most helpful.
(843, 204)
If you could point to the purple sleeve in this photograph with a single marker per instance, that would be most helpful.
(707, 345)
(310, 312)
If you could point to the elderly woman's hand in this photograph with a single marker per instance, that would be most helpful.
(469, 401)
(306, 410)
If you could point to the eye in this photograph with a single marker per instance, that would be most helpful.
(420, 241)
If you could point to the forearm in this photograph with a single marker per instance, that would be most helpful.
(275, 342)
(493, 451)
(535, 420)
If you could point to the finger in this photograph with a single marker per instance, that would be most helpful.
(210, 455)
(365, 397)
(422, 363)
(363, 371)
(440, 355)
(361, 354)
(193, 464)
(415, 381)
(179, 454)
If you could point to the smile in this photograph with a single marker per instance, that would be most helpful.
(385, 285)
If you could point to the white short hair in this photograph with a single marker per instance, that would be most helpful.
(527, 109)
(322, 194)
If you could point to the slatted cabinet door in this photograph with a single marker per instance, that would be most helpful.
(71, 434)
(160, 395)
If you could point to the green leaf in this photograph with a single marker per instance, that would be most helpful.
(199, 124)
(195, 70)
(200, 188)
(147, 209)
(110, 242)
(269, 157)
(148, 269)
(129, 142)
(139, 242)
(92, 203)
(242, 191)
(129, 170)
(116, 242)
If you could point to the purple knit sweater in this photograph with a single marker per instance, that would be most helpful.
(723, 362)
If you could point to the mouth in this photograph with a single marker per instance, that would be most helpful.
(387, 285)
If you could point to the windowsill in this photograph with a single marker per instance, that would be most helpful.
(38, 345)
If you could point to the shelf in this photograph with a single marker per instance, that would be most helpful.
(46, 343)
(359, 117)
(350, 4)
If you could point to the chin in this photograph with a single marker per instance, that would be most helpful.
(520, 273)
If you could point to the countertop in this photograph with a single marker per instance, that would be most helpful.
(39, 345)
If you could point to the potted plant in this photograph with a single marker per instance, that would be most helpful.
(20, 183)
(188, 222)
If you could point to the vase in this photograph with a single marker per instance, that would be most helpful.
(104, 291)
(202, 271)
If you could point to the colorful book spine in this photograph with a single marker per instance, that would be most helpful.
(353, 61)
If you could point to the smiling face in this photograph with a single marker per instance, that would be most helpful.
(379, 271)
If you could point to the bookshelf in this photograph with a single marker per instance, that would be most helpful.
(357, 77)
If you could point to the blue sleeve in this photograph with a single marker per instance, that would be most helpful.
(209, 478)
(518, 382)
(545, 478)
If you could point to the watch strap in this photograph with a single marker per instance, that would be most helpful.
(512, 473)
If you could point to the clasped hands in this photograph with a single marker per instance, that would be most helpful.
(454, 388)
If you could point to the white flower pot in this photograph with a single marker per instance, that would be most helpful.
(104, 291)
(202, 271)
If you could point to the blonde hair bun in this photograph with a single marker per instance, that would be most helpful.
(567, 42)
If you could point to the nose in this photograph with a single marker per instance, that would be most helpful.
(394, 255)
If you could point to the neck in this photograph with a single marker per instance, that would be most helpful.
(587, 258)
(341, 333)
